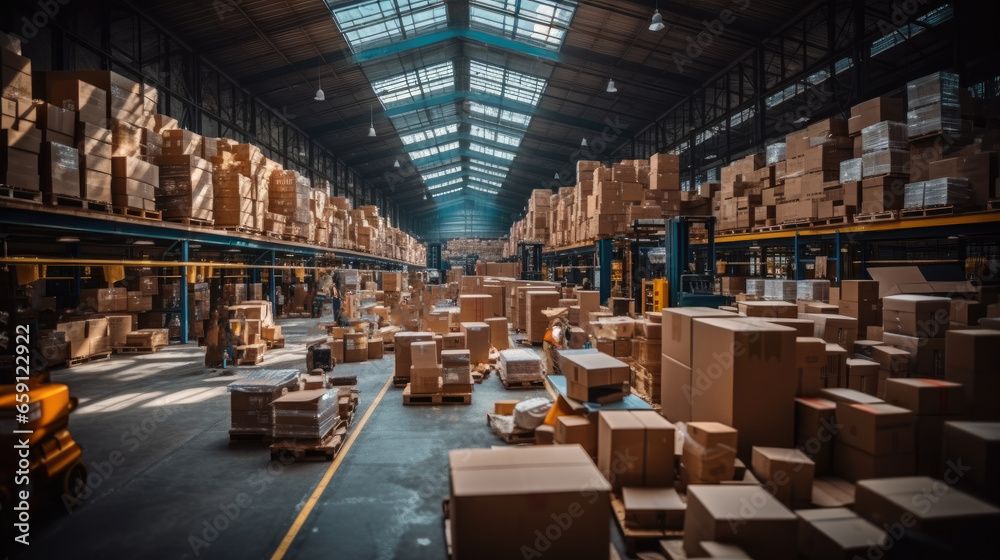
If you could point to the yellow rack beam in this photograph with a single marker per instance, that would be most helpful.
(909, 223)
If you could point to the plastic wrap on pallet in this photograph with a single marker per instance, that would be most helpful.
(780, 290)
(775, 153)
(850, 170)
(263, 380)
(814, 290)
(913, 195)
(755, 287)
(520, 364)
(324, 423)
(937, 117)
(946, 191)
(885, 135)
(939, 87)
(885, 162)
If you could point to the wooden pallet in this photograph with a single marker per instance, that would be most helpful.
(514, 385)
(193, 222)
(737, 231)
(993, 204)
(767, 228)
(136, 349)
(325, 450)
(251, 362)
(71, 362)
(153, 215)
(272, 234)
(635, 537)
(271, 344)
(876, 217)
(435, 398)
(928, 211)
(239, 229)
(513, 438)
(400, 381)
(77, 202)
(21, 195)
(250, 437)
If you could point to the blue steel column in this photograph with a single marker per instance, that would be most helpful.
(271, 287)
(836, 248)
(76, 251)
(604, 247)
(798, 249)
(184, 293)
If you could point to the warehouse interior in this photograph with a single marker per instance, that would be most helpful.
(499, 279)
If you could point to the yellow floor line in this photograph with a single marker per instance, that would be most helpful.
(314, 498)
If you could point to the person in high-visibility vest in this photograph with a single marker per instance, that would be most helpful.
(556, 338)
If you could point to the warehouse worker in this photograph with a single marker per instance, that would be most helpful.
(556, 338)
(586, 286)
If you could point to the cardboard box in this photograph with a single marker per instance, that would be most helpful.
(494, 497)
(620, 448)
(927, 355)
(894, 361)
(975, 445)
(708, 455)
(505, 407)
(862, 375)
(878, 429)
(768, 309)
(675, 390)
(916, 315)
(659, 449)
(577, 429)
(402, 341)
(595, 370)
(810, 358)
(815, 430)
(926, 397)
(677, 327)
(477, 335)
(953, 516)
(714, 514)
(653, 508)
(853, 464)
(746, 377)
(836, 534)
(787, 473)
(971, 361)
(499, 333)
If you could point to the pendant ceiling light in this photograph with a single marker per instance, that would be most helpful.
(583, 143)
(396, 163)
(657, 23)
(371, 129)
(611, 86)
(320, 95)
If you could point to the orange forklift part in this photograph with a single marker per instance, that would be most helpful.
(48, 409)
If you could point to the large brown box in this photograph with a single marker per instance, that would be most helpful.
(594, 370)
(916, 315)
(577, 429)
(927, 355)
(713, 514)
(89, 101)
(815, 430)
(746, 375)
(877, 428)
(971, 359)
(59, 167)
(836, 534)
(677, 327)
(494, 497)
(789, 472)
(477, 339)
(402, 341)
(976, 445)
(950, 516)
(355, 347)
(123, 98)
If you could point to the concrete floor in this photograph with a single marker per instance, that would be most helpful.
(155, 434)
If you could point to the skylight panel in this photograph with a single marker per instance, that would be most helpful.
(419, 83)
(433, 150)
(490, 165)
(448, 183)
(495, 136)
(482, 189)
(504, 83)
(446, 192)
(485, 171)
(489, 182)
(442, 173)
(537, 22)
(428, 134)
(375, 23)
(487, 150)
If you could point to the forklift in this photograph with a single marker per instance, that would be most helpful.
(40, 462)
(690, 262)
